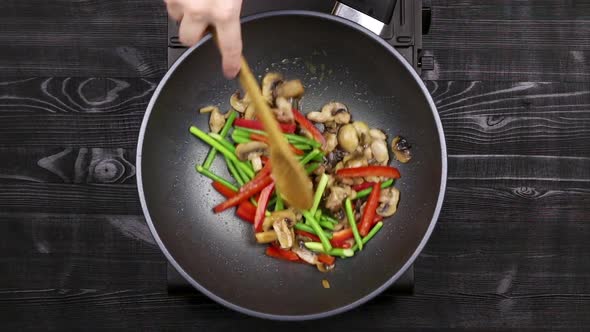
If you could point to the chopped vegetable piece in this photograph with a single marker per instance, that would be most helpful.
(254, 188)
(226, 191)
(385, 171)
(264, 139)
(312, 167)
(340, 237)
(261, 208)
(330, 219)
(213, 152)
(281, 254)
(316, 246)
(309, 229)
(307, 234)
(366, 192)
(266, 237)
(352, 222)
(318, 230)
(325, 283)
(227, 144)
(318, 193)
(246, 212)
(215, 177)
(326, 225)
(369, 236)
(233, 170)
(326, 259)
(254, 124)
(363, 186)
(310, 156)
(309, 127)
(370, 210)
(279, 204)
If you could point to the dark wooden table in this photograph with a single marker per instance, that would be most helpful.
(512, 246)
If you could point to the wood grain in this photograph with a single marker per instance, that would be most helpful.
(73, 112)
(82, 38)
(514, 117)
(510, 41)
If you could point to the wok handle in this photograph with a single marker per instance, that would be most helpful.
(380, 10)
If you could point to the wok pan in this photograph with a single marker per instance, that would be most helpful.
(337, 60)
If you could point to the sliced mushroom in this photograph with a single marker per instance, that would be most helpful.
(389, 199)
(290, 89)
(325, 268)
(269, 84)
(332, 112)
(361, 128)
(401, 149)
(216, 120)
(285, 234)
(337, 195)
(331, 142)
(250, 113)
(256, 163)
(380, 151)
(304, 253)
(237, 102)
(348, 138)
(251, 150)
(286, 215)
(377, 134)
(208, 109)
(284, 110)
(357, 161)
(266, 237)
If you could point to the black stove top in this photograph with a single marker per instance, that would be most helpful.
(411, 19)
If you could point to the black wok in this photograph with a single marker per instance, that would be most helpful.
(336, 60)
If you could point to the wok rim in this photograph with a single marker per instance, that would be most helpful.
(348, 306)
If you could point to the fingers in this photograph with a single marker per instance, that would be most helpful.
(230, 45)
(191, 30)
(175, 10)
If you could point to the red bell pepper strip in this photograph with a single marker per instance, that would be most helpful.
(281, 254)
(377, 219)
(308, 235)
(257, 125)
(264, 139)
(254, 187)
(223, 190)
(247, 206)
(261, 208)
(338, 238)
(326, 259)
(370, 210)
(264, 172)
(346, 245)
(385, 171)
(309, 127)
(245, 214)
(363, 186)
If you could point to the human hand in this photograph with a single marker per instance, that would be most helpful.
(196, 15)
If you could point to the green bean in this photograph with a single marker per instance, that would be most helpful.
(318, 230)
(318, 247)
(365, 192)
(371, 234)
(318, 214)
(234, 171)
(306, 228)
(301, 139)
(310, 156)
(216, 177)
(327, 225)
(302, 146)
(279, 204)
(223, 141)
(214, 143)
(352, 222)
(243, 174)
(240, 139)
(330, 219)
(318, 193)
(312, 167)
(213, 152)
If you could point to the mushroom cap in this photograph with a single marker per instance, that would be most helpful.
(245, 151)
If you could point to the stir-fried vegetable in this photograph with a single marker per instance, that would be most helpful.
(348, 161)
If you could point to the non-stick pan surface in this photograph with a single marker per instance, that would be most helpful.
(336, 60)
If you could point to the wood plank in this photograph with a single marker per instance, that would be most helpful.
(74, 112)
(70, 251)
(484, 117)
(114, 38)
(516, 41)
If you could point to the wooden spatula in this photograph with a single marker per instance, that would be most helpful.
(290, 177)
